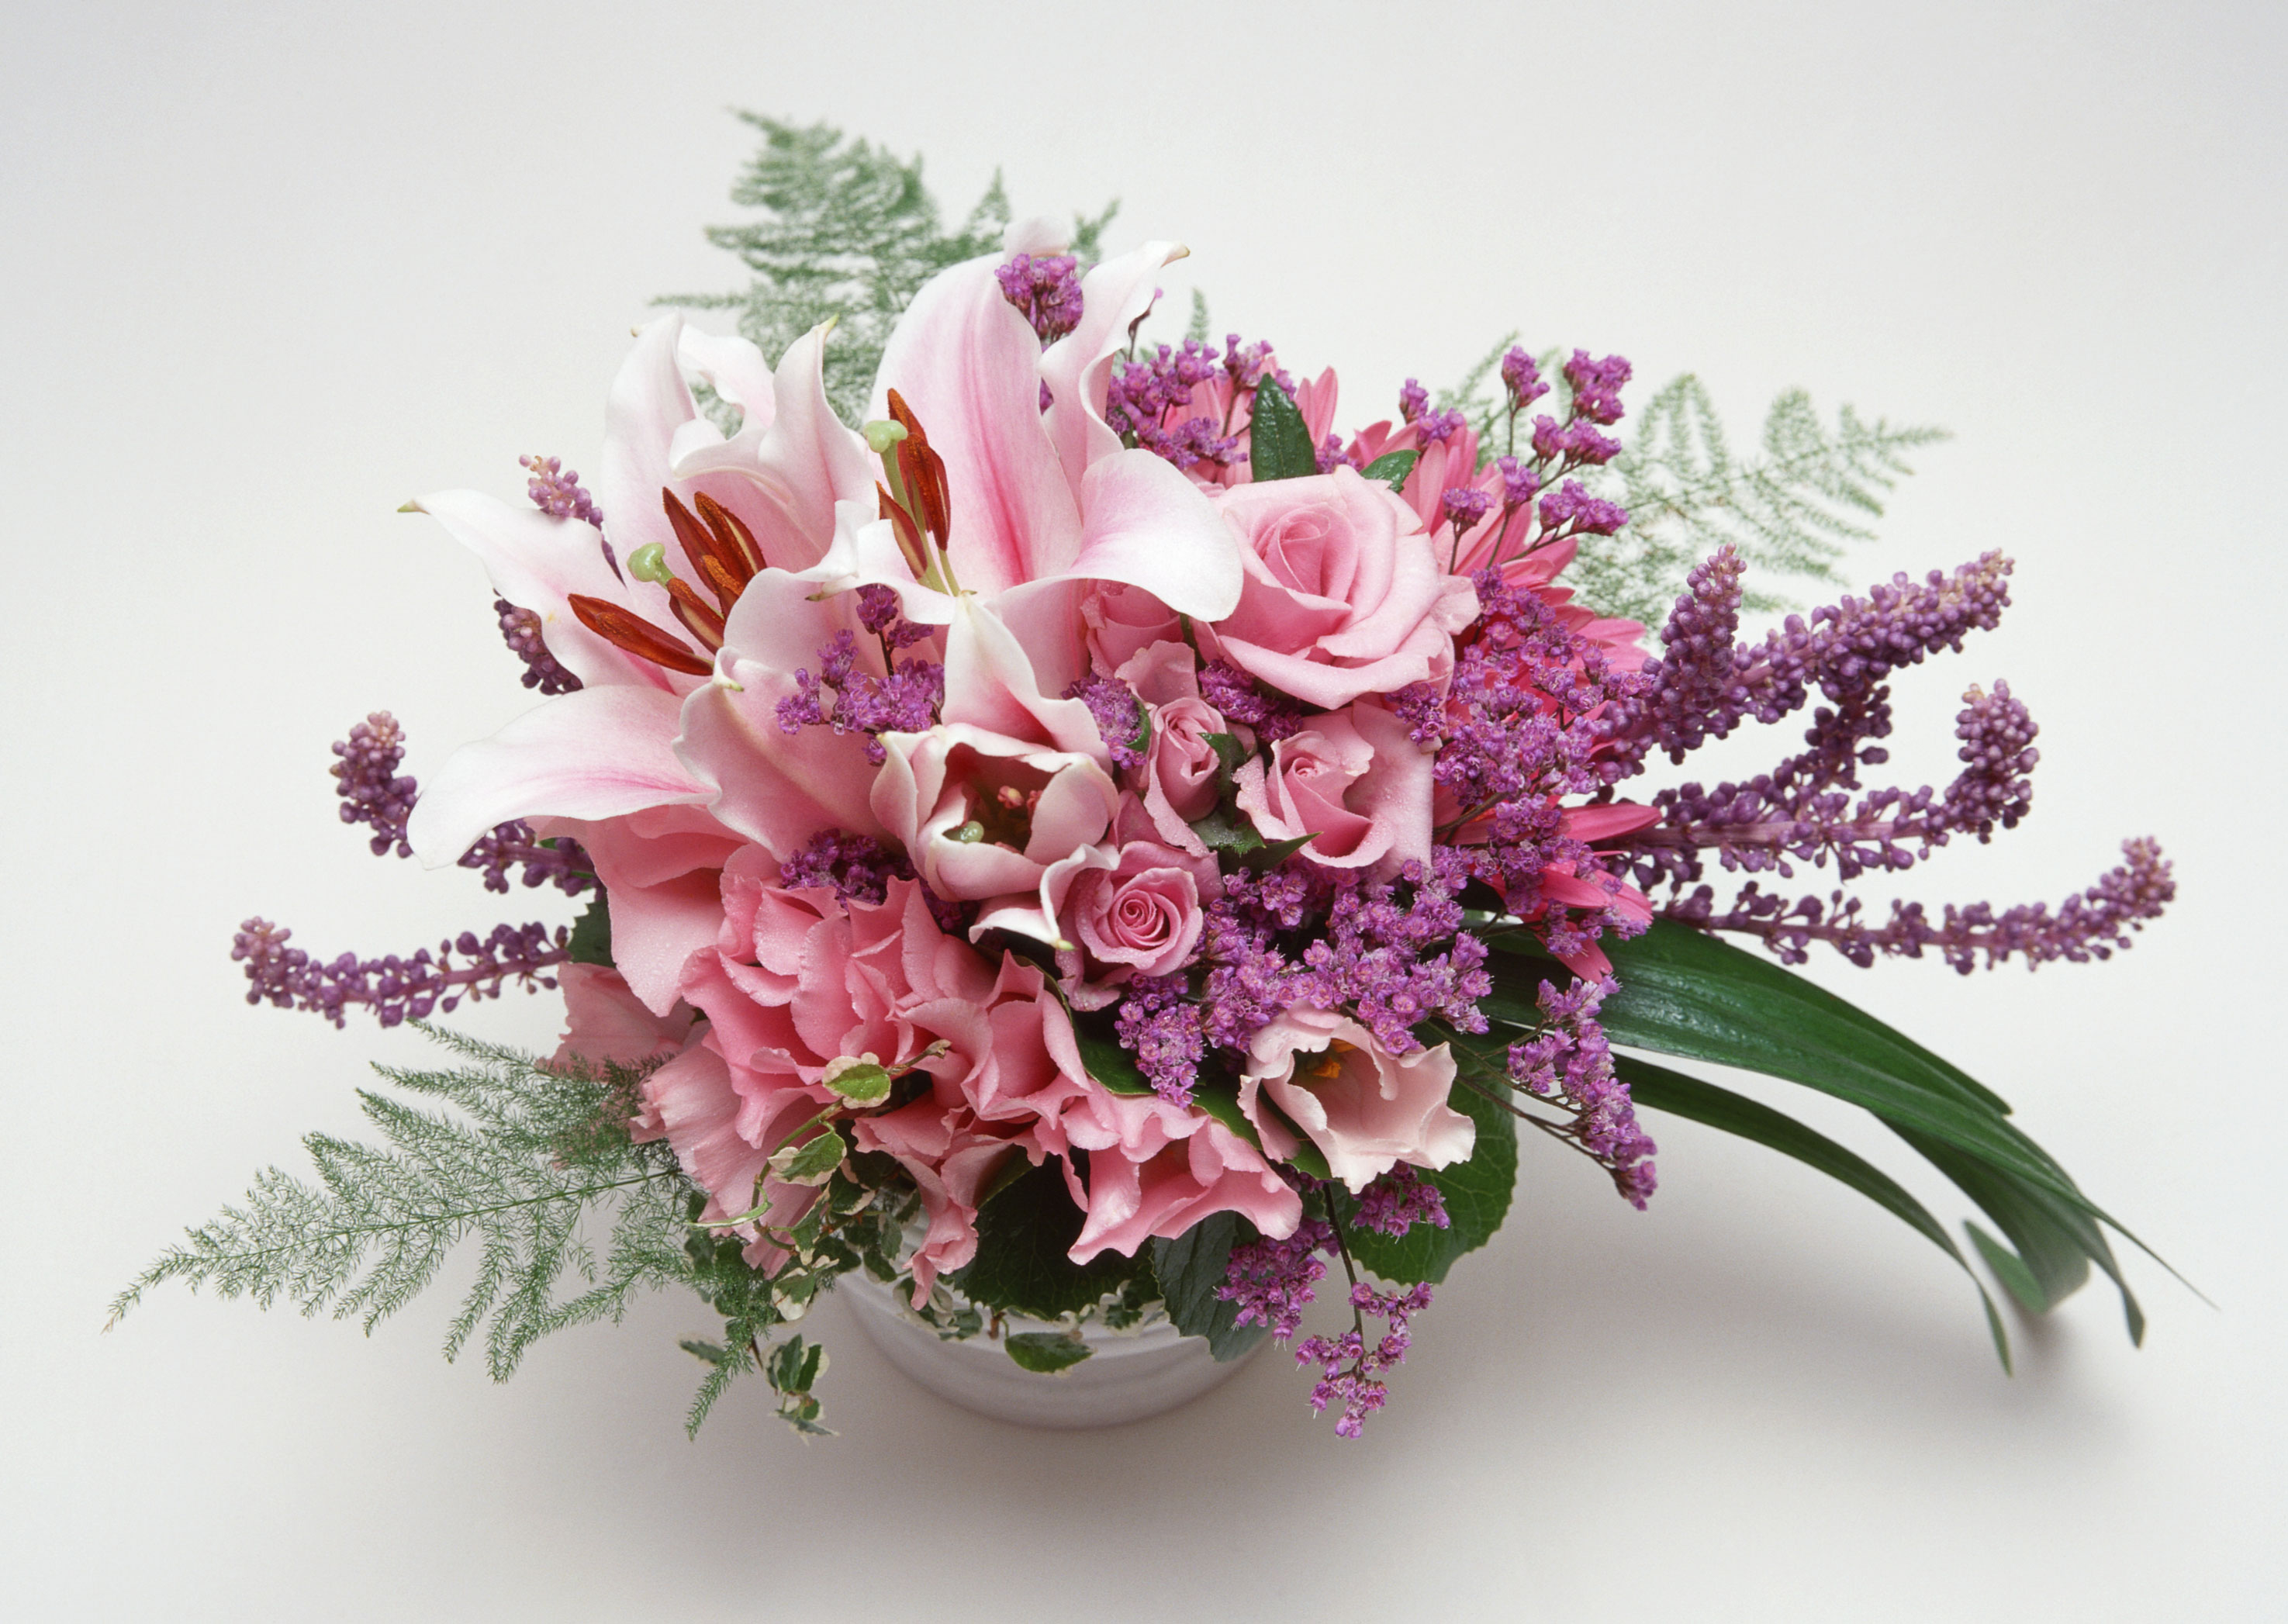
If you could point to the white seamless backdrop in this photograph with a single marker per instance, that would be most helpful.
(269, 270)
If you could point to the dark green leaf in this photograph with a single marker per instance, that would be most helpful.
(1269, 854)
(1657, 1088)
(1278, 441)
(1219, 1098)
(1477, 1191)
(591, 933)
(1230, 755)
(1226, 831)
(1107, 1061)
(1392, 466)
(1045, 1351)
(1190, 1268)
(1022, 1237)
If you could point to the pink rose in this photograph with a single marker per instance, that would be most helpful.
(1342, 595)
(993, 819)
(1140, 917)
(1354, 781)
(1180, 772)
(1365, 1108)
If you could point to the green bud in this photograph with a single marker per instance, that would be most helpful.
(811, 1162)
(970, 833)
(863, 1081)
(882, 433)
(649, 562)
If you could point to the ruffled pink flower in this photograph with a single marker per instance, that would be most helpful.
(1365, 1108)
(1351, 780)
(1342, 596)
(606, 1024)
(1155, 1168)
(798, 980)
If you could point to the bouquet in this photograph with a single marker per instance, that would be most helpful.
(1076, 829)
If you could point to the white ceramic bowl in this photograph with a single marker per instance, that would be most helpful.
(1128, 1376)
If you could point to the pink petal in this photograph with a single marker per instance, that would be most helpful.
(1078, 367)
(599, 753)
(968, 365)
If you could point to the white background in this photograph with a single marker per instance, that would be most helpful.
(270, 271)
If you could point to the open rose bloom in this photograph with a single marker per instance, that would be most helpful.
(1094, 839)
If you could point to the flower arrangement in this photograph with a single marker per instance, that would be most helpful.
(1085, 835)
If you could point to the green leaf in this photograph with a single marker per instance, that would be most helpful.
(1278, 441)
(861, 1082)
(1045, 1351)
(591, 933)
(1657, 1088)
(1231, 755)
(1684, 993)
(1477, 1191)
(1107, 1061)
(1022, 1237)
(1227, 831)
(1190, 1268)
(1392, 466)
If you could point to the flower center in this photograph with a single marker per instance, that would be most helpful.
(720, 551)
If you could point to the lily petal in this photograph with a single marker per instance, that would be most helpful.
(599, 753)
(1078, 367)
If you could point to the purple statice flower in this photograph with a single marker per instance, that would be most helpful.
(905, 701)
(520, 630)
(1422, 707)
(1570, 505)
(1573, 444)
(1274, 1281)
(1596, 385)
(1435, 428)
(1525, 727)
(1234, 694)
(1569, 1064)
(1142, 393)
(1413, 401)
(850, 865)
(1046, 289)
(1374, 954)
(1398, 1201)
(1464, 506)
(1121, 719)
(1520, 375)
(396, 989)
(1250, 979)
(1350, 1367)
(1334, 455)
(1246, 365)
(558, 493)
(1519, 482)
(373, 793)
(1162, 1028)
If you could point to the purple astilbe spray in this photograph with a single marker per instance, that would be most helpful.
(1596, 385)
(1521, 376)
(1120, 716)
(2092, 924)
(558, 494)
(1142, 394)
(1046, 289)
(373, 793)
(1274, 1281)
(904, 700)
(1413, 401)
(1569, 1064)
(396, 989)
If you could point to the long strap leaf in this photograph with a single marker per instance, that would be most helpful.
(1658, 1089)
